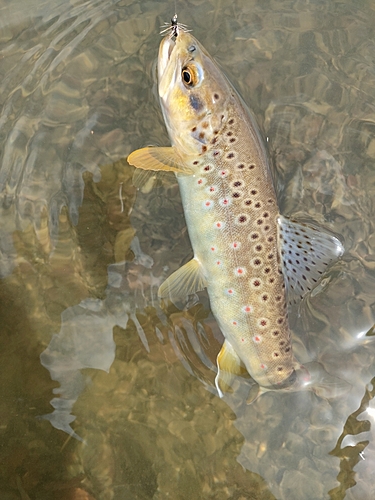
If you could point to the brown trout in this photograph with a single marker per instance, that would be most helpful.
(246, 254)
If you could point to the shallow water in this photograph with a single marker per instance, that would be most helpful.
(134, 411)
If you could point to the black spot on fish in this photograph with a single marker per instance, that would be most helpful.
(195, 102)
(216, 96)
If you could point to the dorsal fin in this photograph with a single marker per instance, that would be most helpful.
(306, 252)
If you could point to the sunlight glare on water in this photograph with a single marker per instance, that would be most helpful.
(106, 393)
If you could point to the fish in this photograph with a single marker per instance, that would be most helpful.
(252, 260)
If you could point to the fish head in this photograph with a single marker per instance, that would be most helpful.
(193, 92)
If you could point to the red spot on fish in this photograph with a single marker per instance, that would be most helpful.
(256, 339)
(234, 323)
(218, 262)
(212, 189)
(240, 271)
(242, 340)
(213, 249)
(230, 291)
(263, 367)
(200, 181)
(247, 309)
(225, 202)
(208, 203)
(218, 224)
(223, 173)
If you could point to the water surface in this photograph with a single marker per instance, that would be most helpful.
(105, 392)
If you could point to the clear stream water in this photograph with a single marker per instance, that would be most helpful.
(107, 394)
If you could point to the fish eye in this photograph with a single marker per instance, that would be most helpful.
(187, 77)
(191, 75)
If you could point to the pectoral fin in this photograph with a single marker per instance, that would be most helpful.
(183, 282)
(144, 179)
(228, 365)
(153, 158)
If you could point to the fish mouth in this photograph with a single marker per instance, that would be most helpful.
(165, 52)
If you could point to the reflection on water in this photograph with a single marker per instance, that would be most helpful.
(82, 254)
(86, 336)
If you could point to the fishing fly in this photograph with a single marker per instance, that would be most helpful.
(174, 27)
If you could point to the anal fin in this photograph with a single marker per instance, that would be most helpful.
(228, 365)
(185, 281)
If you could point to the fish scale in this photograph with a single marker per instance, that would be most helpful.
(261, 333)
(249, 257)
